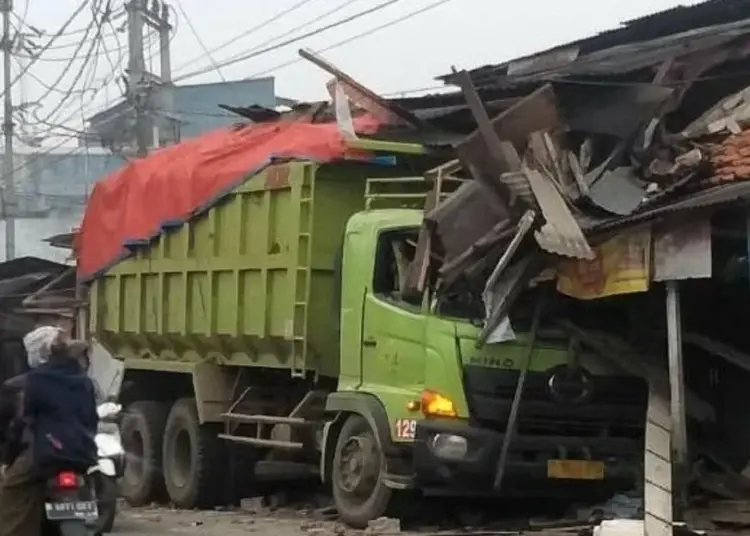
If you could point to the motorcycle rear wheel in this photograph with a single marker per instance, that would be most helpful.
(106, 493)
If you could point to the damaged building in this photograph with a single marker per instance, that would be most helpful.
(615, 170)
(595, 195)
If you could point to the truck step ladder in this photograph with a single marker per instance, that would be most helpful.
(264, 419)
(264, 443)
(302, 276)
(310, 402)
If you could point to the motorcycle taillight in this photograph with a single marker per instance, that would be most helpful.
(67, 480)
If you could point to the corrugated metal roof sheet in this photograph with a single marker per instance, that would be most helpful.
(726, 194)
(657, 25)
(631, 57)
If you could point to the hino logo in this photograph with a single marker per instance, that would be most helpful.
(570, 385)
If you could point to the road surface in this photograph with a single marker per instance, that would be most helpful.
(163, 522)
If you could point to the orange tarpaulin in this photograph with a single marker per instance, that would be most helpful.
(133, 204)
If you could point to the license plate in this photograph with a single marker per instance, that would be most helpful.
(61, 511)
(575, 470)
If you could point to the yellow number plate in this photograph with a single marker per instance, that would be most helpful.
(575, 469)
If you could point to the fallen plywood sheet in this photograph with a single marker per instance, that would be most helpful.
(537, 112)
(455, 231)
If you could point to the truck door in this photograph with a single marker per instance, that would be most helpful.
(393, 328)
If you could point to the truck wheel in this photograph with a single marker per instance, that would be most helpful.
(357, 474)
(192, 458)
(141, 430)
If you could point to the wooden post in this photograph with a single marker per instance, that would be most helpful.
(677, 390)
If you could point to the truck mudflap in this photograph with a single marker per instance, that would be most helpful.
(457, 458)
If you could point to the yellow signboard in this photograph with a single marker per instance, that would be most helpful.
(622, 265)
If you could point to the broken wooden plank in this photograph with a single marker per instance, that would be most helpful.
(725, 351)
(452, 269)
(369, 144)
(448, 168)
(524, 226)
(360, 95)
(455, 231)
(417, 275)
(504, 157)
(512, 281)
(536, 112)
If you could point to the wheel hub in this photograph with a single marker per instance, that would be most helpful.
(359, 465)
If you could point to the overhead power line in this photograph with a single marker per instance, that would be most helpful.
(287, 42)
(247, 32)
(97, 24)
(356, 37)
(200, 41)
(304, 24)
(49, 43)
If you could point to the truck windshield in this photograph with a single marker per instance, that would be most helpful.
(395, 254)
(395, 273)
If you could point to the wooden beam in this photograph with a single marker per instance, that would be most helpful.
(677, 390)
(366, 92)
(387, 146)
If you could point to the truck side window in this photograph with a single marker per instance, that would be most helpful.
(395, 253)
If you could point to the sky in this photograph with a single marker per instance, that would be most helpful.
(397, 60)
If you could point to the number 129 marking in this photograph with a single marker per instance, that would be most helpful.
(406, 428)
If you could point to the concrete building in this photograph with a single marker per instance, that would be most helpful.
(52, 184)
(179, 112)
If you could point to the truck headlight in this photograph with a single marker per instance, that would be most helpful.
(449, 446)
(436, 405)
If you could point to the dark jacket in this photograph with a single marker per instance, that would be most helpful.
(60, 404)
(12, 421)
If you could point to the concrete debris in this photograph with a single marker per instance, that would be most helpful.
(254, 505)
(383, 526)
(620, 506)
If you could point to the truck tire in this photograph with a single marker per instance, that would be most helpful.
(193, 458)
(141, 429)
(359, 492)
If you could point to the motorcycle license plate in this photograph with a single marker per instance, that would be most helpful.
(61, 511)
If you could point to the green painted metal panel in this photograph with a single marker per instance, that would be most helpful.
(249, 283)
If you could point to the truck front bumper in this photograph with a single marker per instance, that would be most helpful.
(455, 458)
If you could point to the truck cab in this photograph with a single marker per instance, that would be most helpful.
(434, 408)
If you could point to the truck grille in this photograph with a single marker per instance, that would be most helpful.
(616, 407)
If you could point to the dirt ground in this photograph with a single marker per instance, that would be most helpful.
(162, 521)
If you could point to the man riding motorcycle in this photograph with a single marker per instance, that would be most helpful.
(53, 425)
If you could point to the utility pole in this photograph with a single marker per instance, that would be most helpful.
(141, 82)
(8, 182)
(136, 71)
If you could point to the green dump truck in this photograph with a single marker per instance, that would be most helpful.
(275, 322)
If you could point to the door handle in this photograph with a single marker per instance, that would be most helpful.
(370, 343)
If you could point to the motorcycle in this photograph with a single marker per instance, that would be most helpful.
(110, 466)
(70, 505)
